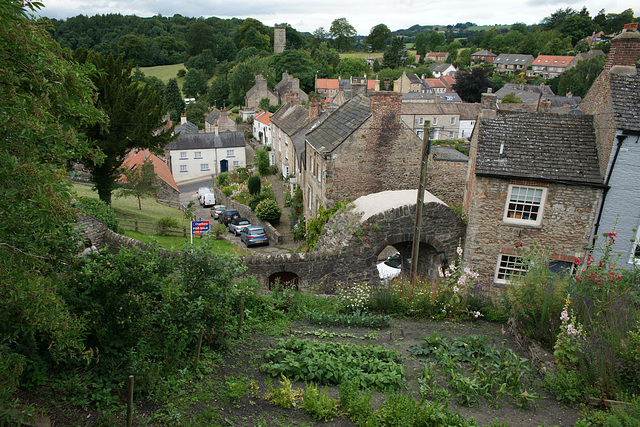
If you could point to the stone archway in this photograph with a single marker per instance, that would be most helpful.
(285, 279)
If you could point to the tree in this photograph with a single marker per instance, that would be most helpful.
(297, 63)
(198, 38)
(173, 99)
(218, 92)
(342, 32)
(394, 55)
(352, 67)
(470, 85)
(139, 181)
(196, 112)
(44, 99)
(254, 184)
(579, 79)
(262, 161)
(253, 33)
(264, 104)
(242, 77)
(378, 37)
(511, 98)
(195, 83)
(134, 119)
(133, 48)
(205, 61)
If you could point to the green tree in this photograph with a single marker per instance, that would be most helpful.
(269, 210)
(579, 79)
(264, 104)
(342, 33)
(218, 91)
(253, 33)
(139, 181)
(297, 63)
(195, 83)
(394, 55)
(352, 67)
(242, 77)
(44, 100)
(204, 61)
(198, 38)
(173, 99)
(254, 184)
(378, 37)
(197, 111)
(326, 60)
(262, 161)
(134, 119)
(133, 48)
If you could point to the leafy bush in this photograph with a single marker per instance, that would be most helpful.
(356, 319)
(254, 185)
(268, 210)
(255, 200)
(98, 209)
(223, 179)
(227, 191)
(567, 384)
(335, 362)
(166, 223)
(319, 404)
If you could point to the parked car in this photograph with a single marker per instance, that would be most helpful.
(208, 200)
(236, 224)
(254, 235)
(201, 192)
(390, 267)
(228, 215)
(217, 210)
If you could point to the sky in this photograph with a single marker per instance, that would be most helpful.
(307, 16)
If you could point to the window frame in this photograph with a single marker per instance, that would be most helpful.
(183, 155)
(231, 153)
(197, 155)
(521, 221)
(183, 168)
(521, 268)
(204, 167)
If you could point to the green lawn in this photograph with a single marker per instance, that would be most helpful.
(127, 208)
(165, 72)
(364, 55)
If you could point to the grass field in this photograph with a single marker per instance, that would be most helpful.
(127, 208)
(164, 72)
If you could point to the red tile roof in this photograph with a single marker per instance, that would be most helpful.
(434, 83)
(328, 84)
(554, 61)
(264, 117)
(160, 168)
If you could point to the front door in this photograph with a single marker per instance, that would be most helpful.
(224, 165)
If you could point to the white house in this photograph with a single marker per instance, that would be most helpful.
(204, 154)
(262, 127)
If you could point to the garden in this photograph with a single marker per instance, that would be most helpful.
(207, 347)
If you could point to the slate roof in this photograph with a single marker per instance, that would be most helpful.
(298, 139)
(443, 97)
(512, 58)
(541, 146)
(212, 116)
(290, 117)
(439, 67)
(447, 153)
(186, 127)
(208, 140)
(625, 96)
(340, 124)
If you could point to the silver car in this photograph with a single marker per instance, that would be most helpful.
(217, 210)
(237, 224)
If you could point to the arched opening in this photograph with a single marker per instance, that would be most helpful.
(284, 279)
(395, 260)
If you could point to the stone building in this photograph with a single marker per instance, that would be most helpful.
(258, 91)
(218, 121)
(533, 178)
(287, 85)
(512, 63)
(363, 147)
(279, 38)
(614, 101)
(168, 191)
(445, 118)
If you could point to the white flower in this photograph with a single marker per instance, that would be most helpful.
(440, 273)
(476, 314)
(459, 250)
(462, 280)
(564, 315)
(455, 289)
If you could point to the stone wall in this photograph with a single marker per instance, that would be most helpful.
(93, 229)
(246, 212)
(565, 229)
(446, 179)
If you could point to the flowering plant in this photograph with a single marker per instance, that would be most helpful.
(455, 283)
(565, 350)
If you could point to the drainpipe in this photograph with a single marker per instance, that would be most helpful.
(621, 137)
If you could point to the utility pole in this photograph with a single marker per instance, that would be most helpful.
(415, 250)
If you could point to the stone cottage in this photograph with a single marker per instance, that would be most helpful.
(258, 91)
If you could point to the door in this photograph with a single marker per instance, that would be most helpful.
(224, 165)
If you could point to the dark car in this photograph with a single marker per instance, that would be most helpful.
(228, 215)
(254, 235)
(236, 224)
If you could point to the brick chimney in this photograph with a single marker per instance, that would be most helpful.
(625, 47)
(386, 108)
(315, 107)
(488, 104)
(183, 118)
(358, 86)
(292, 97)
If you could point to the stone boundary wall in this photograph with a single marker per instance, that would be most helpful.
(446, 179)
(246, 212)
(94, 229)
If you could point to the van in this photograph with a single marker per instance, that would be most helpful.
(208, 200)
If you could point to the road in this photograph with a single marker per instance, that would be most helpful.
(188, 193)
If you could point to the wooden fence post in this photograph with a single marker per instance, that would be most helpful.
(130, 403)
(136, 225)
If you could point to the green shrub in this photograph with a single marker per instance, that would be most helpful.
(567, 384)
(254, 184)
(98, 209)
(319, 404)
(223, 179)
(227, 191)
(268, 210)
(218, 230)
(356, 403)
(255, 200)
(165, 224)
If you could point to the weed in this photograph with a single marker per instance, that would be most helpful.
(318, 403)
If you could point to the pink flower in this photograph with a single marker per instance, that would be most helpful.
(459, 250)
(455, 289)
(564, 315)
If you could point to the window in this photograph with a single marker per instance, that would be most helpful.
(183, 154)
(204, 166)
(524, 205)
(508, 267)
(435, 120)
(453, 120)
(230, 153)
(421, 121)
(183, 168)
(561, 267)
(198, 155)
(236, 164)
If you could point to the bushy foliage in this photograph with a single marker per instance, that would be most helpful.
(166, 223)
(269, 210)
(255, 200)
(254, 184)
(223, 179)
(100, 210)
